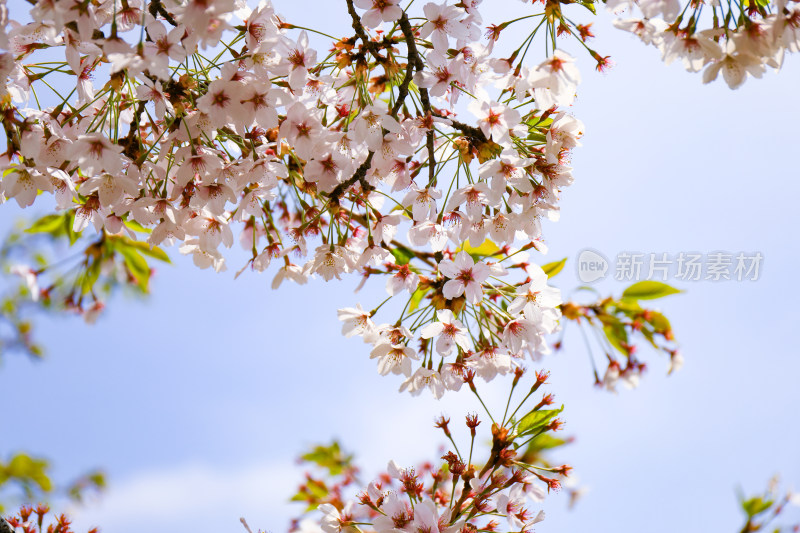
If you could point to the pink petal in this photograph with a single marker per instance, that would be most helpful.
(453, 289)
(448, 268)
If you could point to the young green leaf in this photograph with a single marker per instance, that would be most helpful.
(756, 505)
(488, 248)
(52, 224)
(616, 333)
(551, 269)
(155, 252)
(648, 290)
(136, 265)
(537, 419)
(402, 255)
(416, 299)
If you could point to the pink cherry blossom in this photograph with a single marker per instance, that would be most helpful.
(466, 277)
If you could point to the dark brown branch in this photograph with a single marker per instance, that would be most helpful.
(403, 91)
(361, 173)
(157, 8)
(415, 60)
(413, 56)
(357, 26)
(414, 63)
(359, 177)
(426, 105)
(131, 149)
(470, 131)
(361, 33)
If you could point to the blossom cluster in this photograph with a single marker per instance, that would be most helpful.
(476, 325)
(470, 489)
(36, 520)
(385, 156)
(410, 150)
(220, 119)
(739, 39)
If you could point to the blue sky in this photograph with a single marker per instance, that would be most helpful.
(197, 400)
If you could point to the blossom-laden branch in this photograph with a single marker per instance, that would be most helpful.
(37, 520)
(468, 489)
(738, 40)
(216, 123)
(415, 64)
(262, 138)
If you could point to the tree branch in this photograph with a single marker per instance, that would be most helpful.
(415, 61)
(157, 8)
(128, 141)
(357, 26)
(470, 131)
(361, 173)
(361, 33)
(359, 177)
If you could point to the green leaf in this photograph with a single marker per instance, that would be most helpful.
(69, 221)
(135, 226)
(134, 262)
(488, 248)
(659, 322)
(537, 137)
(590, 6)
(121, 242)
(56, 225)
(329, 457)
(544, 442)
(416, 298)
(537, 419)
(402, 255)
(587, 288)
(616, 333)
(551, 269)
(136, 265)
(52, 224)
(90, 277)
(539, 122)
(629, 307)
(154, 252)
(650, 338)
(313, 492)
(756, 505)
(648, 290)
(27, 471)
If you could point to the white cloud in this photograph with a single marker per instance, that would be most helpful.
(195, 497)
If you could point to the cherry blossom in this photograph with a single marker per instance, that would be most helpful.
(466, 277)
(449, 330)
(406, 153)
(379, 11)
